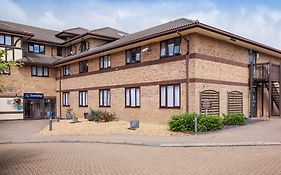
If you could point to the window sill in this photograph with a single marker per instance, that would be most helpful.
(105, 106)
(161, 107)
(162, 57)
(83, 106)
(132, 106)
(133, 62)
(65, 105)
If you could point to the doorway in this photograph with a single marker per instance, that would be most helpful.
(39, 108)
(254, 98)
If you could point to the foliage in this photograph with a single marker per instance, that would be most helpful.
(17, 101)
(108, 117)
(100, 116)
(185, 122)
(234, 119)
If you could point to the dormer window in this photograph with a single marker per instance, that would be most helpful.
(83, 46)
(36, 48)
(69, 51)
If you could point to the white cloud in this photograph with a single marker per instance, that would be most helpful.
(48, 19)
(12, 11)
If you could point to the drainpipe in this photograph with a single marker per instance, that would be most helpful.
(60, 95)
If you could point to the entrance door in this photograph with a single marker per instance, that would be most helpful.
(39, 108)
(254, 95)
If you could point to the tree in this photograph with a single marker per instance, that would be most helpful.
(4, 67)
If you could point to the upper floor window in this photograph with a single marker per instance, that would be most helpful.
(36, 48)
(133, 55)
(105, 62)
(83, 98)
(6, 39)
(83, 66)
(39, 71)
(69, 51)
(66, 70)
(59, 51)
(170, 47)
(170, 96)
(132, 97)
(65, 98)
(83, 46)
(105, 98)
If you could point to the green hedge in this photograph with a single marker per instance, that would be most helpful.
(234, 119)
(185, 123)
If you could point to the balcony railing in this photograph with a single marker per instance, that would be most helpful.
(265, 71)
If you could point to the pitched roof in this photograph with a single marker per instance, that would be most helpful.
(134, 37)
(40, 34)
(76, 30)
(109, 32)
(39, 59)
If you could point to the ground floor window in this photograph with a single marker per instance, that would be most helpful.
(132, 97)
(170, 96)
(65, 98)
(83, 98)
(105, 97)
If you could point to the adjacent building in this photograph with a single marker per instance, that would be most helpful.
(180, 66)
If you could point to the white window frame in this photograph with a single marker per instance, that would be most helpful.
(132, 97)
(83, 98)
(170, 96)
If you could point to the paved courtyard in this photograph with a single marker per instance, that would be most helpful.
(103, 159)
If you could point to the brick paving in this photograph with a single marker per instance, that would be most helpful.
(103, 159)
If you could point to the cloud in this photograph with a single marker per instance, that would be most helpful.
(258, 22)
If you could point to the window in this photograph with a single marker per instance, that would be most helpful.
(105, 62)
(170, 96)
(69, 51)
(6, 39)
(83, 66)
(105, 98)
(36, 48)
(133, 55)
(83, 98)
(65, 98)
(39, 71)
(170, 47)
(132, 97)
(83, 46)
(59, 51)
(66, 70)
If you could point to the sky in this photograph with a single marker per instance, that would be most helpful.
(257, 20)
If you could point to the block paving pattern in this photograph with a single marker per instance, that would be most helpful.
(105, 159)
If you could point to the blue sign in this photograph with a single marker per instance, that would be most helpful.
(33, 95)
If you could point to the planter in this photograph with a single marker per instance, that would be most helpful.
(134, 124)
(19, 107)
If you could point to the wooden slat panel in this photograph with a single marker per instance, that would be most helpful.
(235, 102)
(213, 97)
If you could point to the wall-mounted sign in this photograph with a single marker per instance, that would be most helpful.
(206, 104)
(33, 95)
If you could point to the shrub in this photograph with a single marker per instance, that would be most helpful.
(100, 116)
(234, 119)
(94, 115)
(185, 122)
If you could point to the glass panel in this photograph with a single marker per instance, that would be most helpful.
(105, 97)
(80, 98)
(138, 56)
(39, 71)
(109, 61)
(101, 62)
(133, 97)
(108, 98)
(8, 40)
(33, 70)
(105, 62)
(128, 56)
(86, 98)
(2, 39)
(177, 46)
(163, 49)
(42, 49)
(46, 72)
(127, 97)
(163, 96)
(67, 98)
(101, 98)
(170, 47)
(177, 96)
(30, 48)
(137, 97)
(170, 95)
(36, 48)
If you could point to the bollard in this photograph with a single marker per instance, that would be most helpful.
(50, 124)
(195, 123)
(58, 118)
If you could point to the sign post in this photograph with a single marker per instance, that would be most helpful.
(206, 105)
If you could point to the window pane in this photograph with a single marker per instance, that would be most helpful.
(105, 97)
(177, 46)
(101, 98)
(138, 56)
(105, 62)
(33, 70)
(137, 97)
(108, 98)
(133, 97)
(109, 61)
(8, 40)
(170, 47)
(177, 95)
(170, 95)
(86, 98)
(163, 96)
(30, 48)
(163, 49)
(36, 48)
(80, 98)
(127, 97)
(128, 56)
(46, 71)
(2, 39)
(42, 49)
(39, 71)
